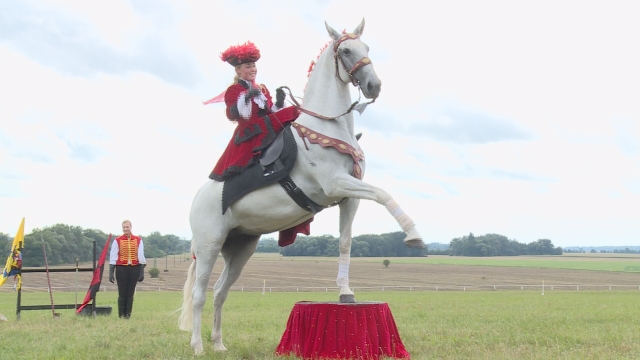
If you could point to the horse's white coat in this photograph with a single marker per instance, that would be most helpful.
(325, 176)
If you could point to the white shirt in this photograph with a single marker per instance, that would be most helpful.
(244, 107)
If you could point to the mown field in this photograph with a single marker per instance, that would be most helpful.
(599, 262)
(594, 272)
(501, 324)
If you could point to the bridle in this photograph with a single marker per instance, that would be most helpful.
(338, 59)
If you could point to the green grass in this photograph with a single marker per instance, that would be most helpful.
(560, 262)
(433, 325)
(596, 262)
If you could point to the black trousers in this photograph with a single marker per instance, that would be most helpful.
(127, 278)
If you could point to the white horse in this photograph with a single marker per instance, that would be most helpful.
(325, 175)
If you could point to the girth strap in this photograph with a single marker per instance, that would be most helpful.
(299, 197)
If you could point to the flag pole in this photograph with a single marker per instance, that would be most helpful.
(46, 267)
(95, 266)
(76, 304)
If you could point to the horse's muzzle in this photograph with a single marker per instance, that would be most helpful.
(372, 89)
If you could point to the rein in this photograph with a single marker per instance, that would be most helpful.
(297, 105)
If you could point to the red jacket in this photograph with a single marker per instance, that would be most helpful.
(252, 135)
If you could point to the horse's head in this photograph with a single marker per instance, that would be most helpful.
(352, 61)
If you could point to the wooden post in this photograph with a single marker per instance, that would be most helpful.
(18, 303)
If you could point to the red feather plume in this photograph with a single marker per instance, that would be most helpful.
(240, 54)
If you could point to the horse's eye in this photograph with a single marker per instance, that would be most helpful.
(346, 51)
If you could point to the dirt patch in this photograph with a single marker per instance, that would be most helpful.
(315, 274)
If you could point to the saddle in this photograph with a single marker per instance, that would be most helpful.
(274, 165)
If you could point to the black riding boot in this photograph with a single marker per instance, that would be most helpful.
(127, 313)
(121, 306)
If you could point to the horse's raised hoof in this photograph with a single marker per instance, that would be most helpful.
(413, 239)
(348, 299)
(415, 244)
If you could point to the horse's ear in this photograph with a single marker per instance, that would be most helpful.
(358, 31)
(332, 32)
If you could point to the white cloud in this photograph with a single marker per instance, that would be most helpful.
(502, 117)
(73, 45)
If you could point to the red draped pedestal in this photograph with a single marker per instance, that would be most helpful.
(364, 330)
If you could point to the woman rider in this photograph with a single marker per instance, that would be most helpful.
(259, 119)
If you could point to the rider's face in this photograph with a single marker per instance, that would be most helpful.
(247, 71)
(126, 228)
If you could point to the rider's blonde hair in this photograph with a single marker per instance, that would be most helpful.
(237, 77)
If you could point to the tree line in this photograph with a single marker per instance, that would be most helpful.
(388, 244)
(499, 245)
(391, 244)
(603, 251)
(65, 243)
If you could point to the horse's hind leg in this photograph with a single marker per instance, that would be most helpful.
(205, 259)
(348, 208)
(236, 252)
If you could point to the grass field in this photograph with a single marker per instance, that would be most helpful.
(433, 325)
(613, 262)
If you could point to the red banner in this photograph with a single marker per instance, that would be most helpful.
(97, 278)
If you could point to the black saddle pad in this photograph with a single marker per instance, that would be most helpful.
(253, 177)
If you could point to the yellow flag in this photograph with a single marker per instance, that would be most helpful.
(14, 261)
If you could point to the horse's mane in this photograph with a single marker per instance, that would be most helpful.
(313, 62)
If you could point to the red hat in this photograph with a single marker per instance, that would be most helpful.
(240, 54)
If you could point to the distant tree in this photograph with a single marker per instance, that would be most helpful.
(386, 263)
(268, 245)
(389, 244)
(439, 252)
(360, 248)
(157, 245)
(5, 245)
(438, 249)
(499, 245)
(64, 243)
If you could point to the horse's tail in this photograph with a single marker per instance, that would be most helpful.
(185, 321)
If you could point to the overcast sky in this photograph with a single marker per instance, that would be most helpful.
(521, 119)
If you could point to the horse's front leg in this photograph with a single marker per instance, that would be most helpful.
(348, 209)
(345, 185)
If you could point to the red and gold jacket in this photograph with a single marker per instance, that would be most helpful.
(128, 250)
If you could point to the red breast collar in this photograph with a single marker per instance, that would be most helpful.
(315, 137)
